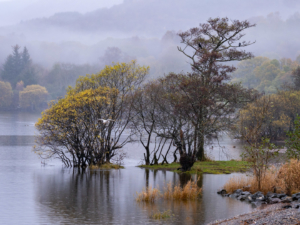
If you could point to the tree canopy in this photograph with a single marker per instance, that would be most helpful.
(17, 67)
(6, 94)
(70, 129)
(32, 96)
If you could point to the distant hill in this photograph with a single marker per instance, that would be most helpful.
(137, 28)
(155, 17)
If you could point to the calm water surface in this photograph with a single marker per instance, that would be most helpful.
(31, 193)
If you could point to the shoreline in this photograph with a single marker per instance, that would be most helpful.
(267, 214)
(206, 167)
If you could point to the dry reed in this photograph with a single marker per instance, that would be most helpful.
(249, 183)
(190, 191)
(162, 215)
(148, 195)
(289, 177)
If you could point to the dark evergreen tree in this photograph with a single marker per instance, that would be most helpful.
(17, 67)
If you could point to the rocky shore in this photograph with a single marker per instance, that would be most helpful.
(270, 214)
(259, 198)
(274, 208)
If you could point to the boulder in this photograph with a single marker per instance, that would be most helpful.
(258, 196)
(287, 199)
(274, 195)
(281, 196)
(269, 194)
(286, 206)
(261, 198)
(242, 197)
(222, 192)
(274, 200)
(245, 193)
(256, 203)
(238, 191)
(249, 198)
(295, 197)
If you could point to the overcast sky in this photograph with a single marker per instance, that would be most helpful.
(14, 11)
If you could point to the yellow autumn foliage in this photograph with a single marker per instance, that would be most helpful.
(33, 96)
(276, 120)
(6, 94)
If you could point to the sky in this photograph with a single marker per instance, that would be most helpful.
(15, 11)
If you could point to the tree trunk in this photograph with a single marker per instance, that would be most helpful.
(200, 151)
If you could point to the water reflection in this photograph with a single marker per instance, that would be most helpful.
(53, 195)
(102, 197)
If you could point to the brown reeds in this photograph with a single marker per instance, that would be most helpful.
(148, 195)
(190, 191)
(162, 215)
(237, 182)
(249, 183)
(285, 179)
(289, 177)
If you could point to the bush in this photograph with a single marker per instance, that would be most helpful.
(289, 177)
(33, 96)
(285, 179)
(6, 94)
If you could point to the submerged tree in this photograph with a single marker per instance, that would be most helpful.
(72, 130)
(207, 98)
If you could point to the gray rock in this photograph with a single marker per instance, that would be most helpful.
(245, 193)
(256, 203)
(261, 198)
(258, 196)
(222, 192)
(274, 195)
(249, 198)
(287, 199)
(238, 191)
(281, 196)
(286, 206)
(295, 197)
(274, 200)
(269, 194)
(242, 197)
(258, 193)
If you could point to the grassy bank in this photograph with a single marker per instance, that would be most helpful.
(106, 166)
(213, 167)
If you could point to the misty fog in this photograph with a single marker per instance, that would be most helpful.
(79, 32)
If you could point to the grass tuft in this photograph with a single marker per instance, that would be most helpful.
(106, 166)
(148, 195)
(190, 191)
(162, 215)
(285, 179)
(211, 167)
(288, 177)
(249, 183)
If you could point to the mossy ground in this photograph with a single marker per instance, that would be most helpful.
(106, 166)
(211, 167)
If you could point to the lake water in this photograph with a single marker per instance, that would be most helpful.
(33, 193)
